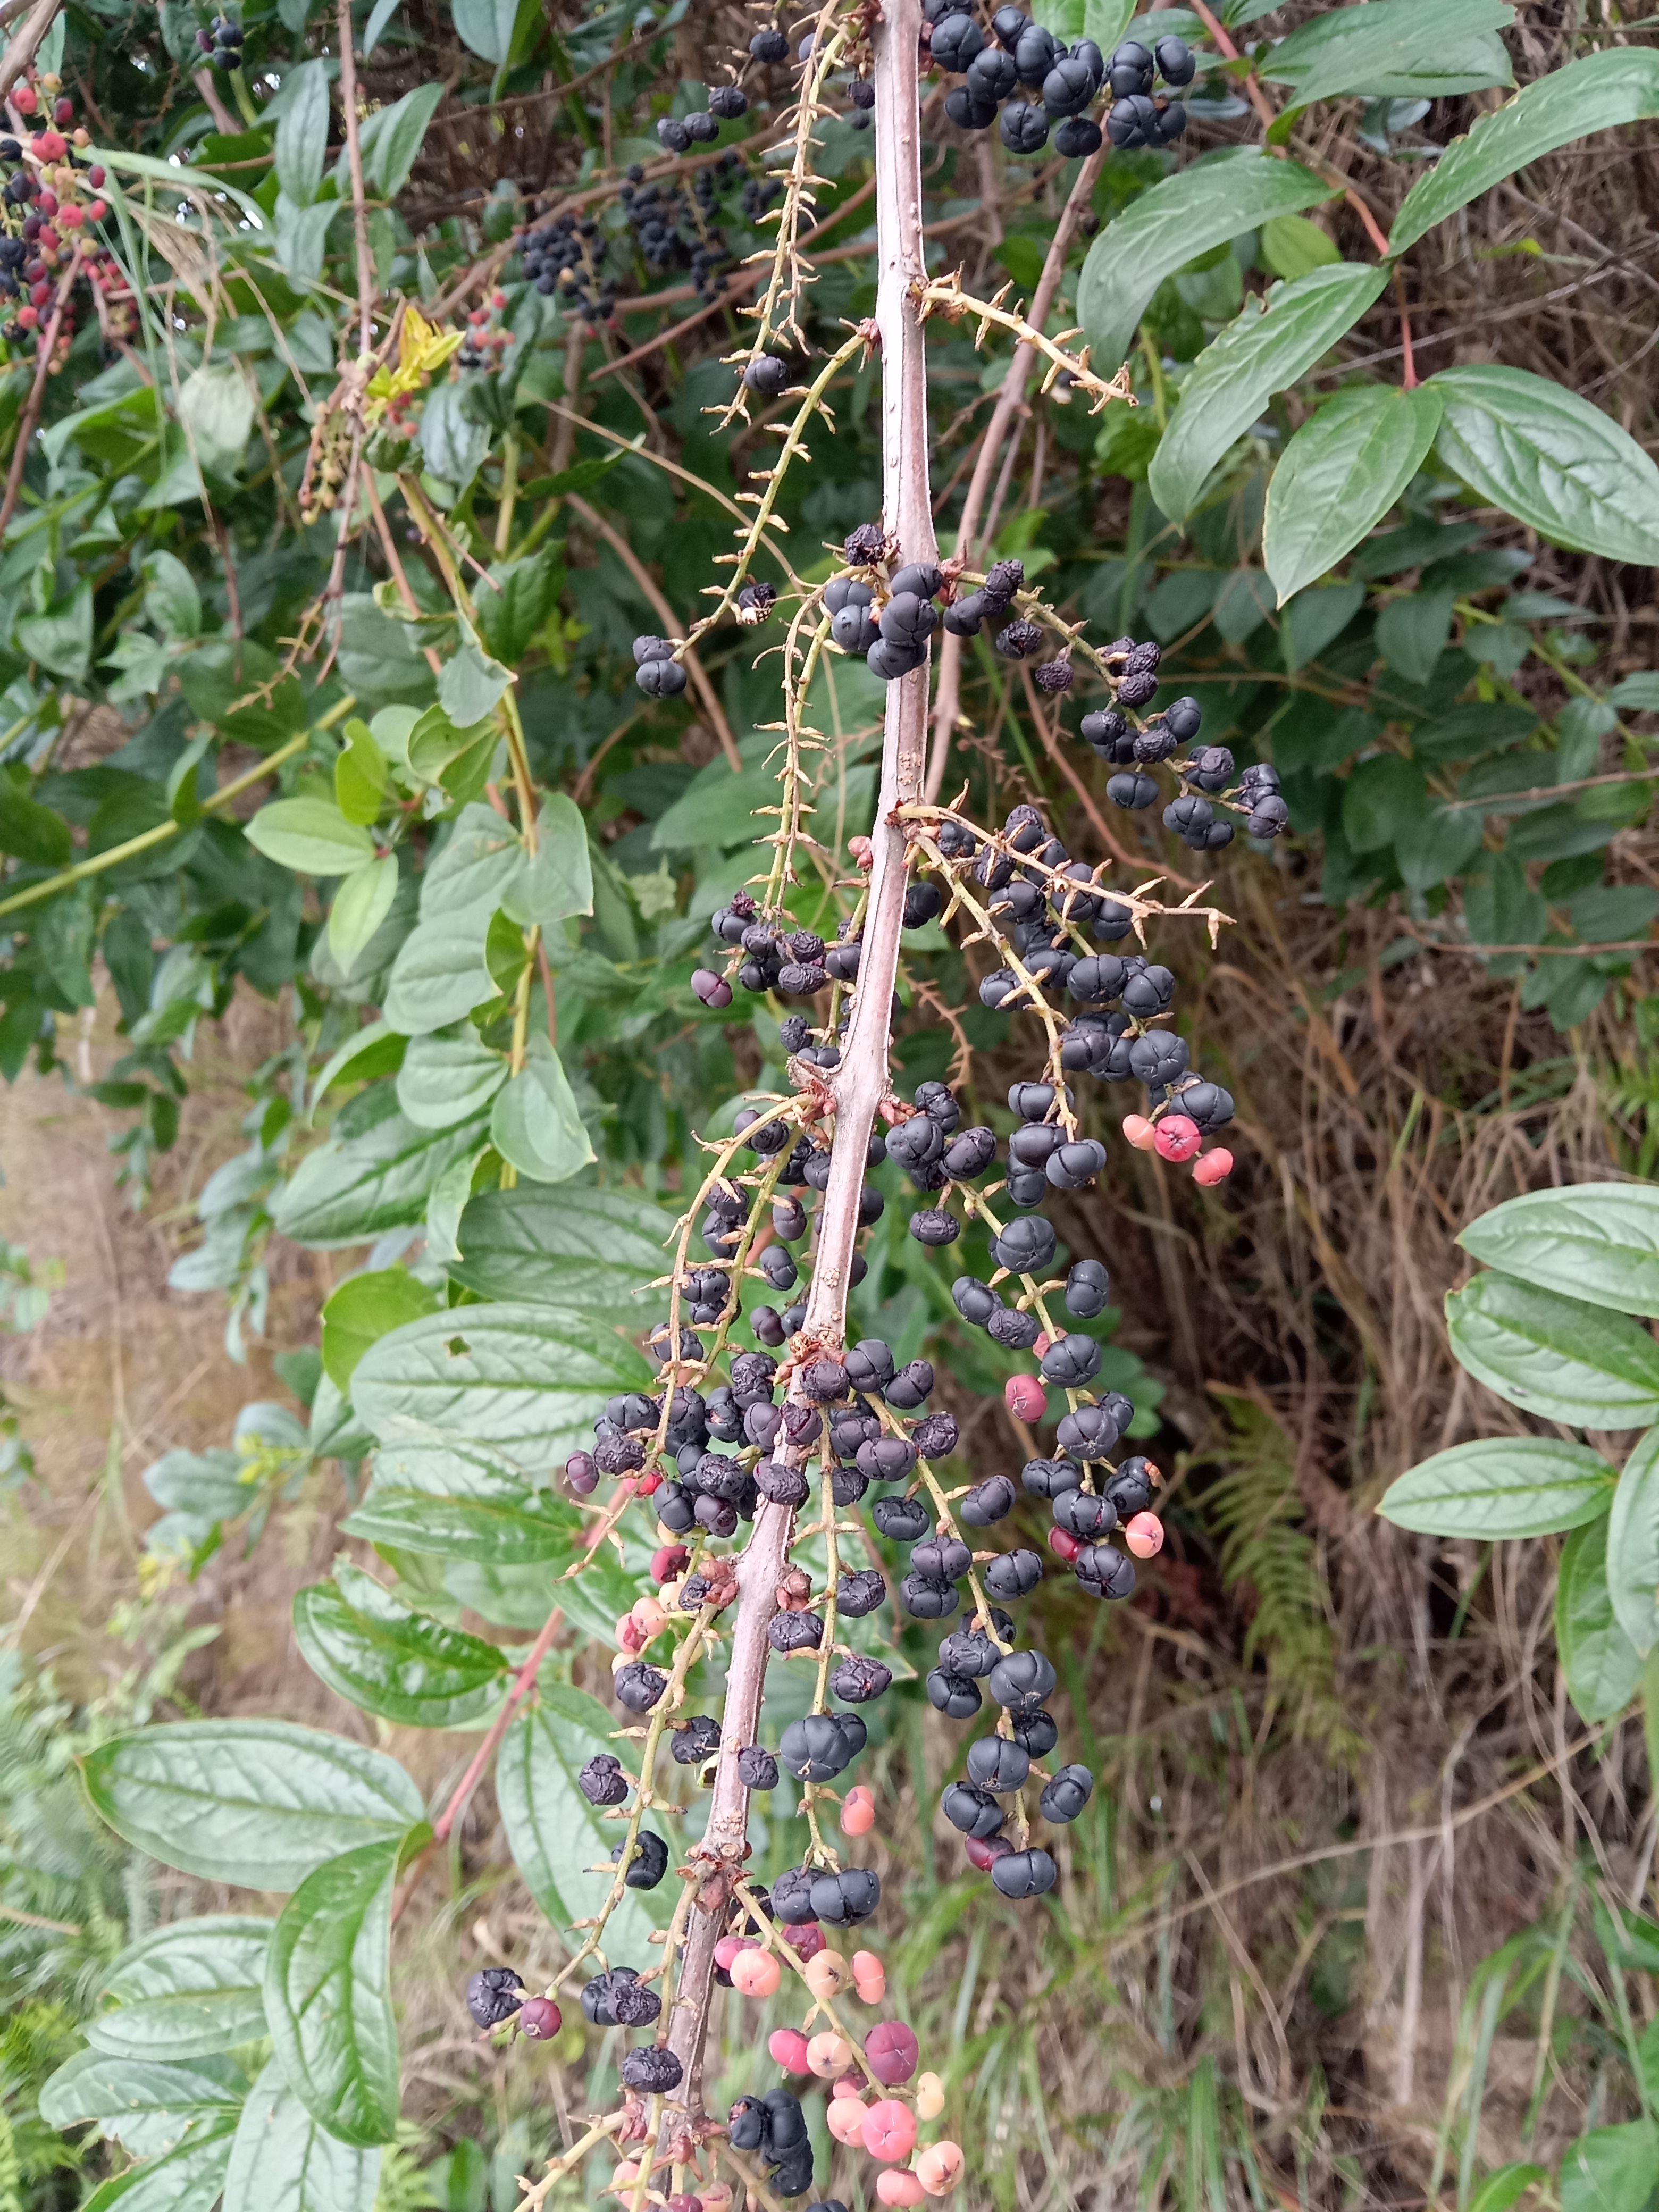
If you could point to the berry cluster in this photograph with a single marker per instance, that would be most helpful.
(680, 133)
(222, 43)
(53, 192)
(487, 338)
(1021, 58)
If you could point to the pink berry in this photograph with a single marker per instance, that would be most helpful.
(939, 2168)
(1141, 1132)
(892, 2051)
(540, 2018)
(845, 2118)
(727, 1949)
(858, 1813)
(806, 1941)
(667, 1562)
(684, 2203)
(755, 1974)
(1024, 1397)
(890, 2130)
(1064, 1545)
(1143, 1534)
(1214, 1167)
(899, 2186)
(1178, 1138)
(788, 2047)
(25, 100)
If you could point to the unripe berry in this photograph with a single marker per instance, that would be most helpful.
(540, 2019)
(667, 1562)
(1178, 1138)
(930, 2096)
(890, 2130)
(828, 2055)
(858, 1812)
(807, 1939)
(892, 2051)
(899, 2186)
(716, 2197)
(1141, 1132)
(650, 1616)
(1024, 1397)
(1144, 1536)
(25, 99)
(726, 1949)
(1214, 1167)
(939, 2168)
(845, 2119)
(755, 1974)
(827, 1976)
(869, 1976)
(629, 1635)
(787, 2048)
(1064, 1545)
(625, 2176)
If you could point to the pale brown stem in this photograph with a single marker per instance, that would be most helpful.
(22, 49)
(222, 119)
(1010, 400)
(861, 1081)
(666, 614)
(355, 158)
(37, 392)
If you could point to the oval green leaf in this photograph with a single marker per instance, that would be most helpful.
(186, 1990)
(1340, 475)
(1599, 91)
(328, 1996)
(535, 1122)
(1633, 1546)
(1555, 1357)
(439, 973)
(1394, 50)
(150, 2105)
(348, 1191)
(365, 1308)
(491, 1532)
(257, 1803)
(1598, 1242)
(1550, 458)
(1253, 357)
(361, 905)
(187, 2179)
(283, 2161)
(528, 1380)
(449, 1077)
(1502, 1486)
(1215, 199)
(583, 1249)
(1601, 1665)
(385, 1658)
(309, 835)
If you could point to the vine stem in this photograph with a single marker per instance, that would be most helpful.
(860, 1081)
(355, 158)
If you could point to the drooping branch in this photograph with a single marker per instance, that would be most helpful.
(860, 1083)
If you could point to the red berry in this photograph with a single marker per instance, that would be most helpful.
(540, 2018)
(98, 211)
(74, 216)
(1063, 1544)
(806, 1941)
(667, 1562)
(498, 299)
(28, 318)
(45, 203)
(787, 2046)
(64, 111)
(40, 294)
(1214, 1167)
(645, 1484)
(684, 2203)
(1178, 1137)
(25, 100)
(95, 176)
(49, 146)
(892, 2051)
(982, 1850)
(1024, 1397)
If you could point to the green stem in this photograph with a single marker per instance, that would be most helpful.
(245, 99)
(159, 835)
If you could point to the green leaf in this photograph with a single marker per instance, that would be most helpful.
(187, 2179)
(1620, 84)
(558, 879)
(438, 975)
(391, 139)
(1502, 1486)
(1316, 618)
(471, 683)
(172, 601)
(527, 1380)
(216, 407)
(363, 1310)
(1341, 474)
(1611, 2169)
(383, 1656)
(1598, 1241)
(587, 1249)
(1215, 199)
(1633, 1546)
(1601, 1664)
(370, 1052)
(147, 2104)
(535, 1122)
(1439, 843)
(328, 1997)
(1292, 246)
(1395, 49)
(302, 132)
(257, 1803)
(1412, 630)
(61, 639)
(283, 2161)
(29, 831)
(552, 1830)
(449, 1077)
(526, 592)
(311, 835)
(185, 1990)
(447, 1202)
(1253, 357)
(347, 1193)
(1381, 802)
(361, 905)
(361, 778)
(479, 868)
(490, 1532)
(1550, 458)
(488, 25)
(451, 444)
(1500, 2190)
(1554, 1356)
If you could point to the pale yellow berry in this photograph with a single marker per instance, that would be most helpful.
(930, 2096)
